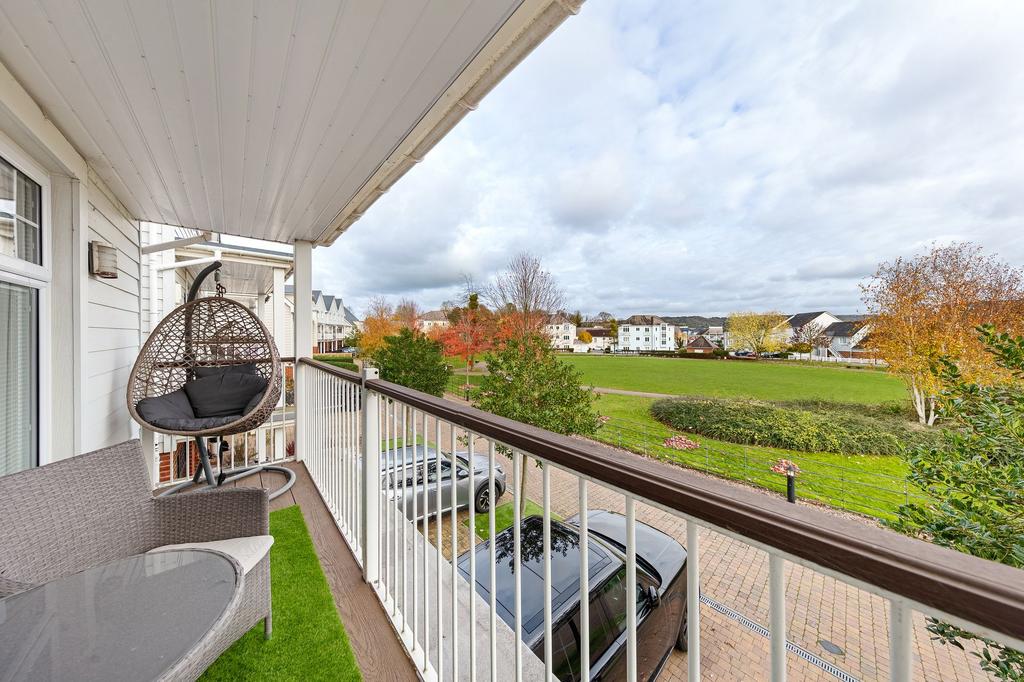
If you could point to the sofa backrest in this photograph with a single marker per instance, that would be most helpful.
(67, 516)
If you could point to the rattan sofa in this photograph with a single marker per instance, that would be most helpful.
(88, 510)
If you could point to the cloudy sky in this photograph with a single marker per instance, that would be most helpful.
(705, 157)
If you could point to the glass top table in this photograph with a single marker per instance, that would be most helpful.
(131, 619)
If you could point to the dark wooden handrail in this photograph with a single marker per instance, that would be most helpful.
(982, 592)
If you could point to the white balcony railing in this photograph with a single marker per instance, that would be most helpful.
(355, 434)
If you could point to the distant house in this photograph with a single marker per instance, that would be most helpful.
(561, 330)
(716, 335)
(821, 319)
(646, 333)
(845, 340)
(601, 340)
(432, 319)
(701, 344)
(333, 321)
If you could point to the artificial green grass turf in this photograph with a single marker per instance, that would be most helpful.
(738, 379)
(309, 641)
(503, 516)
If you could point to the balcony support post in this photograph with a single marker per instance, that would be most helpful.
(777, 615)
(692, 601)
(303, 340)
(370, 502)
(901, 638)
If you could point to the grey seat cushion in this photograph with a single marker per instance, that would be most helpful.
(223, 394)
(195, 423)
(173, 405)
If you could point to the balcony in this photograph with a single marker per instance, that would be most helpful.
(222, 119)
(779, 585)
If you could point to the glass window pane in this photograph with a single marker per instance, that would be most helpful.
(29, 198)
(28, 242)
(7, 242)
(19, 378)
(565, 653)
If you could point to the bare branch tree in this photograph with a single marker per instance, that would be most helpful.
(809, 336)
(408, 313)
(525, 293)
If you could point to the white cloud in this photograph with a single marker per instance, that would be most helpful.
(703, 157)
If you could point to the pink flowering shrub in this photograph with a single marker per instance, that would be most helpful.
(678, 442)
(785, 467)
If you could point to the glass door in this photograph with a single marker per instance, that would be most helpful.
(19, 378)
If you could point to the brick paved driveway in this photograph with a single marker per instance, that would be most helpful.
(736, 575)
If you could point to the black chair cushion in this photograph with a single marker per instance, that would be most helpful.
(203, 372)
(224, 394)
(254, 403)
(171, 406)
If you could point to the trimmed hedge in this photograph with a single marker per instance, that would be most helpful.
(804, 426)
(342, 361)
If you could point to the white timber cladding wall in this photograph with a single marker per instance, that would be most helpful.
(113, 321)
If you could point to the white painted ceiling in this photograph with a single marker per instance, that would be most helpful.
(260, 118)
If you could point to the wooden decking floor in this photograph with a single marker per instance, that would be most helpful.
(379, 653)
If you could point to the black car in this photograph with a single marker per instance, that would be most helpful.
(660, 599)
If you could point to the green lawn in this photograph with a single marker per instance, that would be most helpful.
(764, 380)
(309, 641)
(503, 516)
(872, 485)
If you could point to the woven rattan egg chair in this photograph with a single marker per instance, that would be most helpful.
(210, 368)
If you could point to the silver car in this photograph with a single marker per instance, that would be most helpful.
(420, 458)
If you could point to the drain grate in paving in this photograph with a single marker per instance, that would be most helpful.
(796, 649)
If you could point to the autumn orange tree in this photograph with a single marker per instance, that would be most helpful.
(378, 324)
(928, 307)
(470, 332)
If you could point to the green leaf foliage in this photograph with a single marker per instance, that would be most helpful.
(528, 383)
(415, 361)
(975, 477)
(808, 426)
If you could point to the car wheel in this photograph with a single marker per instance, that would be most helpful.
(683, 636)
(482, 501)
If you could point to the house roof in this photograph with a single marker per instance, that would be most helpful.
(644, 320)
(349, 315)
(598, 332)
(330, 300)
(282, 122)
(800, 319)
(558, 318)
(700, 342)
(434, 316)
(844, 328)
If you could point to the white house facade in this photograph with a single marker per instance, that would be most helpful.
(432, 320)
(646, 333)
(561, 331)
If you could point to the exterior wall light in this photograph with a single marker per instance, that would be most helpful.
(102, 260)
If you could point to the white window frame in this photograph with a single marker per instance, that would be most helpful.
(38, 277)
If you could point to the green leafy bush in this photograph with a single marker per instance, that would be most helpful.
(805, 426)
(974, 480)
(415, 361)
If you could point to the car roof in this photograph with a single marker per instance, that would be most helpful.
(565, 571)
(414, 454)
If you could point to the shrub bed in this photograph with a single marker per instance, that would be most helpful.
(805, 426)
(342, 361)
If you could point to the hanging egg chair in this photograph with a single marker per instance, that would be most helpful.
(210, 368)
